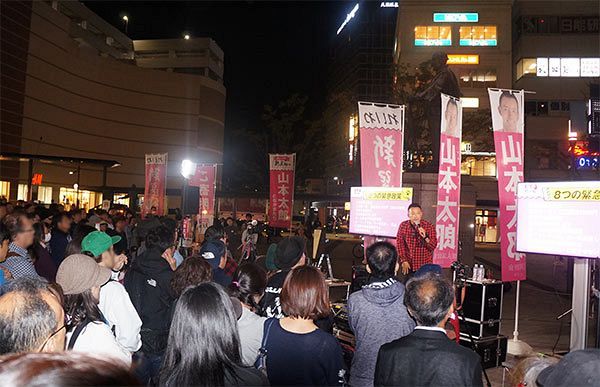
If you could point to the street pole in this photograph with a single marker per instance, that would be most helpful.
(581, 298)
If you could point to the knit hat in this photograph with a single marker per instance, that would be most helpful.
(78, 273)
(98, 242)
(213, 251)
(289, 251)
(270, 257)
(577, 368)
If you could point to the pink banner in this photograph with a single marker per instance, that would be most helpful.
(381, 144)
(281, 196)
(448, 198)
(507, 120)
(156, 183)
(204, 179)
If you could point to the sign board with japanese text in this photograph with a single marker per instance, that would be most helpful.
(448, 197)
(381, 144)
(559, 218)
(508, 120)
(156, 183)
(281, 198)
(204, 179)
(378, 210)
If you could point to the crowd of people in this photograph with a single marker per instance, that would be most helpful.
(105, 298)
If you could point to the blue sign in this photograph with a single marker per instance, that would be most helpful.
(478, 42)
(453, 17)
(588, 162)
(433, 42)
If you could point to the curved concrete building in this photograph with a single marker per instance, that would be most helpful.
(73, 86)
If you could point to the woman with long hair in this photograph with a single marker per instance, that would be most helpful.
(42, 260)
(81, 278)
(203, 347)
(298, 352)
(248, 286)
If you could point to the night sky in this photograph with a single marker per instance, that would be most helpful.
(272, 49)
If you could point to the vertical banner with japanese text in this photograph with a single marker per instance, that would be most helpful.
(156, 183)
(508, 122)
(281, 198)
(204, 179)
(381, 144)
(448, 196)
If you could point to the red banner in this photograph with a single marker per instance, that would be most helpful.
(204, 179)
(448, 196)
(508, 121)
(282, 190)
(156, 183)
(381, 144)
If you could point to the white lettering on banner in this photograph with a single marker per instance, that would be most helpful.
(385, 177)
(515, 177)
(513, 220)
(282, 215)
(446, 212)
(203, 176)
(283, 203)
(283, 189)
(384, 148)
(283, 178)
(512, 244)
(448, 152)
(514, 156)
(447, 184)
(446, 236)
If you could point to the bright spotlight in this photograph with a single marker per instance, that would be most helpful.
(187, 168)
(186, 37)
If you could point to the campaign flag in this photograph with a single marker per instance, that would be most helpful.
(508, 122)
(281, 196)
(204, 179)
(381, 144)
(448, 196)
(156, 183)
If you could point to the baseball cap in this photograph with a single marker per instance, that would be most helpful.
(78, 273)
(289, 251)
(577, 368)
(212, 251)
(98, 242)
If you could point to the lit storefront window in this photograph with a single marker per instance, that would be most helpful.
(478, 166)
(22, 191)
(433, 36)
(478, 36)
(87, 199)
(44, 194)
(486, 226)
(121, 198)
(4, 189)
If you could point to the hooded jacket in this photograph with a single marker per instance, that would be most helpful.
(148, 283)
(377, 315)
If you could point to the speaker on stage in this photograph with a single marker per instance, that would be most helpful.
(191, 200)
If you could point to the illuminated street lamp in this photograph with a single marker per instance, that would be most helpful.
(186, 36)
(126, 20)
(188, 168)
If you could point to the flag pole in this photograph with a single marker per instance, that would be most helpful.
(517, 347)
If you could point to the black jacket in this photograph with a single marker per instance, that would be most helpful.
(427, 358)
(148, 283)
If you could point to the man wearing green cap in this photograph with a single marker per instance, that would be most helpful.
(115, 303)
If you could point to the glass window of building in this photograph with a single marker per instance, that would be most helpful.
(22, 191)
(4, 189)
(433, 36)
(87, 199)
(478, 166)
(486, 226)
(121, 198)
(478, 36)
(44, 194)
(526, 66)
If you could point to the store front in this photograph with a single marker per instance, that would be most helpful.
(87, 199)
(486, 226)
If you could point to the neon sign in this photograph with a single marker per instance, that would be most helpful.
(348, 18)
(453, 17)
(389, 4)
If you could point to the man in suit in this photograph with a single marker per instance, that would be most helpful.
(427, 357)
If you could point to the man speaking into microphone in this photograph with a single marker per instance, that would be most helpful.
(416, 241)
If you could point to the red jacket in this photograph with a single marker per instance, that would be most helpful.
(412, 248)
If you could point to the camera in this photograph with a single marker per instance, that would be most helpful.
(252, 227)
(462, 272)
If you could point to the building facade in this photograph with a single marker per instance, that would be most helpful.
(73, 86)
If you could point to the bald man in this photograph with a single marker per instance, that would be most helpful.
(31, 318)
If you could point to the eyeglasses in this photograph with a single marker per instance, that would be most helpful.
(51, 336)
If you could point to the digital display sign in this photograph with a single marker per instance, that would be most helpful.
(462, 59)
(454, 17)
(433, 42)
(588, 162)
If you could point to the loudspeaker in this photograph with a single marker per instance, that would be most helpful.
(191, 200)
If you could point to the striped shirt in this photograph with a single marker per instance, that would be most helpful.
(19, 262)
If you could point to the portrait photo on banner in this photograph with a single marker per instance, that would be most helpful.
(507, 110)
(451, 116)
